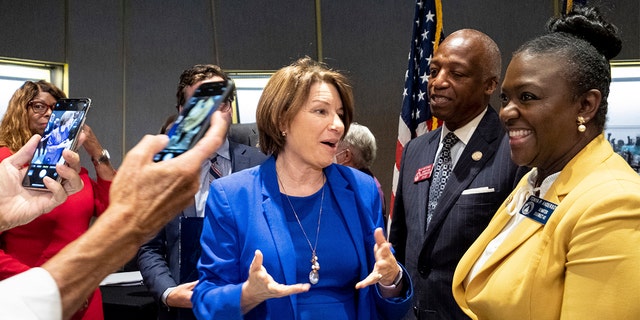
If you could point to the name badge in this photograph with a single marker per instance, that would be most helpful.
(538, 209)
(423, 173)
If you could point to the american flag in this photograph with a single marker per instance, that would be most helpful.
(415, 117)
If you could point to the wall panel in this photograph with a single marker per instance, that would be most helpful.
(96, 69)
(160, 42)
(264, 35)
(33, 30)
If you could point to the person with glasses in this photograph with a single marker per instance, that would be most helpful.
(32, 244)
(169, 278)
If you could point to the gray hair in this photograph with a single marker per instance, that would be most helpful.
(362, 144)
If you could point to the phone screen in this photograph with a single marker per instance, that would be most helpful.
(61, 133)
(194, 121)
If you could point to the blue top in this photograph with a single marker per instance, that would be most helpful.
(245, 212)
(333, 296)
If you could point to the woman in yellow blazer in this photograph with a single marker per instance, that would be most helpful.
(566, 243)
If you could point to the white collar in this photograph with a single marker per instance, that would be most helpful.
(223, 151)
(465, 132)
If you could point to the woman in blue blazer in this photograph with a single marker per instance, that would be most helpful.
(299, 237)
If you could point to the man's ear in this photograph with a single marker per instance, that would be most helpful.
(348, 156)
(491, 85)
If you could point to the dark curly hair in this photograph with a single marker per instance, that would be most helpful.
(195, 74)
(14, 128)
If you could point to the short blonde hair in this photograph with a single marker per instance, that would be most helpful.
(285, 94)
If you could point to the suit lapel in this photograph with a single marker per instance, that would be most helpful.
(597, 151)
(351, 212)
(345, 198)
(486, 140)
(239, 161)
(274, 215)
(525, 230)
(427, 158)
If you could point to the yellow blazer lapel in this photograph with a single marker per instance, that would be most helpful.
(566, 181)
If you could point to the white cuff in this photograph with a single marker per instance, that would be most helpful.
(165, 294)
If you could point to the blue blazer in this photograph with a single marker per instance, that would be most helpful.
(481, 179)
(158, 259)
(245, 213)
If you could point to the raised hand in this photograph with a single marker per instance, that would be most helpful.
(19, 205)
(260, 286)
(386, 268)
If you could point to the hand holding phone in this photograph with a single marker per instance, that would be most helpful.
(193, 121)
(62, 131)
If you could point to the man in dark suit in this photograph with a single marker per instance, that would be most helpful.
(464, 72)
(168, 261)
(245, 133)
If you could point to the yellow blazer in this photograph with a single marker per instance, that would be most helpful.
(584, 263)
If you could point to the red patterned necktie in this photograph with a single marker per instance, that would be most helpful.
(214, 170)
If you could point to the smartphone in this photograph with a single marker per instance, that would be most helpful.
(194, 120)
(61, 133)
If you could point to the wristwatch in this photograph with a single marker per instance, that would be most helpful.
(104, 157)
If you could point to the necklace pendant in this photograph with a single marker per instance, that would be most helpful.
(314, 277)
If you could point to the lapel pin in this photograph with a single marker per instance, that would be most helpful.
(476, 156)
(423, 173)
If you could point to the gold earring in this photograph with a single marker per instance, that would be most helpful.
(581, 126)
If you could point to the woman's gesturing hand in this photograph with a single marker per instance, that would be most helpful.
(260, 286)
(386, 269)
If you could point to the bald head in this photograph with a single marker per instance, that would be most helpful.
(487, 55)
(464, 73)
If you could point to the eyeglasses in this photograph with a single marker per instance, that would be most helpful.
(40, 107)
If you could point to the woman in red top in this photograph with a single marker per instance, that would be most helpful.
(32, 244)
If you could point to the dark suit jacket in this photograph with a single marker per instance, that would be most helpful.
(158, 258)
(431, 257)
(245, 133)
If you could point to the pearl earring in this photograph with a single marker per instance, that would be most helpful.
(581, 126)
(284, 133)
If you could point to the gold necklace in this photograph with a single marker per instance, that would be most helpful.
(314, 276)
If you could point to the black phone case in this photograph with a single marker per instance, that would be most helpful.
(62, 133)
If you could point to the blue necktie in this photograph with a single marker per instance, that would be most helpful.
(441, 173)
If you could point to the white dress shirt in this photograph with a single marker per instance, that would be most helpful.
(205, 177)
(32, 294)
(463, 133)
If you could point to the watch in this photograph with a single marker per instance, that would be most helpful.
(104, 157)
